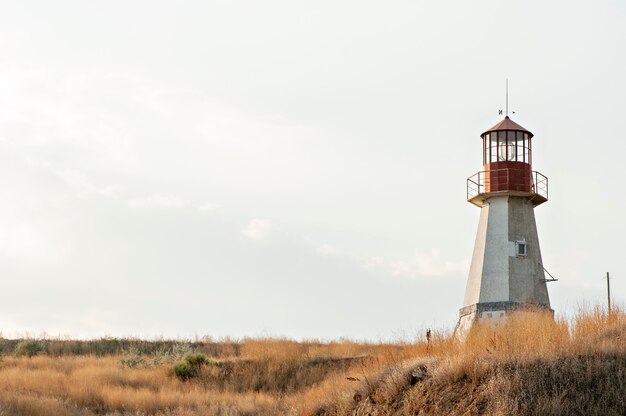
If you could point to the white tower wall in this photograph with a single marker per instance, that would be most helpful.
(500, 279)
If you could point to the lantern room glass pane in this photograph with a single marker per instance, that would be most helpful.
(493, 147)
(510, 145)
(526, 148)
(484, 139)
(501, 145)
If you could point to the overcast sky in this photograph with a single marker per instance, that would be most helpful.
(285, 168)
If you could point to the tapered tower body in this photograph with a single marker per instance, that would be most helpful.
(506, 273)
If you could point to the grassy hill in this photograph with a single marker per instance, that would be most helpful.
(529, 367)
(526, 367)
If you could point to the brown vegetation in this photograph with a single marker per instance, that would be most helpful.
(528, 366)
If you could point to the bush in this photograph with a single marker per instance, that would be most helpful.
(134, 358)
(29, 347)
(184, 371)
(190, 368)
(196, 360)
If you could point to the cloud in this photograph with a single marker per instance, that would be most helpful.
(158, 201)
(257, 229)
(327, 250)
(79, 181)
(423, 264)
(32, 240)
(207, 207)
(18, 240)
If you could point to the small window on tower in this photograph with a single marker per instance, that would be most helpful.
(520, 248)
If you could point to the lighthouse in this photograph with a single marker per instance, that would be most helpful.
(506, 273)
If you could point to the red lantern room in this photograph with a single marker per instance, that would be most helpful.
(507, 164)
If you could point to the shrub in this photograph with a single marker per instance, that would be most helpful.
(190, 368)
(29, 347)
(184, 371)
(196, 360)
(160, 356)
(134, 358)
(180, 350)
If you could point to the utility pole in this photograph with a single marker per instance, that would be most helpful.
(608, 291)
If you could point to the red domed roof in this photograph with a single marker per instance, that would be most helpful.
(508, 124)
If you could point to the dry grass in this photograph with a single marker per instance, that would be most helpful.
(532, 365)
(528, 366)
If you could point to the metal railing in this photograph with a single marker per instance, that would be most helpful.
(480, 182)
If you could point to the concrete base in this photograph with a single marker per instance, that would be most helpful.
(493, 314)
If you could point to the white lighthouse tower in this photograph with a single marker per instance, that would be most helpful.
(506, 273)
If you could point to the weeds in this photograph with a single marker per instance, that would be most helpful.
(134, 357)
